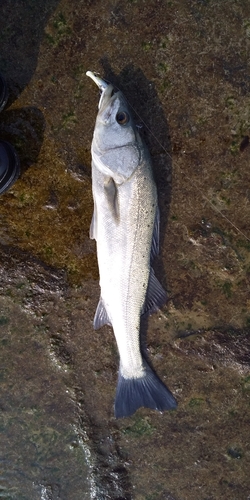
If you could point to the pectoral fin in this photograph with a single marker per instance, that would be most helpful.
(112, 197)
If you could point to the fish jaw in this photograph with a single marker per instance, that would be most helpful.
(105, 88)
(102, 84)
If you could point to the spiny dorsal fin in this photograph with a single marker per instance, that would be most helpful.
(156, 237)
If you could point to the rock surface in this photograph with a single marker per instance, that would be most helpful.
(184, 68)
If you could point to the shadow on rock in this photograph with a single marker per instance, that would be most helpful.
(222, 346)
(24, 129)
(22, 30)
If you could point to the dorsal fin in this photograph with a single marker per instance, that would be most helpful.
(156, 237)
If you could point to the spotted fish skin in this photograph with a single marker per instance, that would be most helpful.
(125, 225)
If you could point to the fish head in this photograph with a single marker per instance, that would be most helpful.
(116, 146)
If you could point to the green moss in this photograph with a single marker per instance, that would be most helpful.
(227, 289)
(226, 200)
(50, 39)
(60, 23)
(78, 93)
(2, 374)
(79, 70)
(165, 84)
(230, 102)
(235, 147)
(48, 250)
(146, 46)
(246, 25)
(20, 285)
(59, 30)
(240, 243)
(196, 402)
(245, 383)
(26, 199)
(4, 320)
(201, 120)
(248, 321)
(163, 67)
(54, 79)
(232, 413)
(141, 427)
(68, 120)
(203, 302)
(153, 496)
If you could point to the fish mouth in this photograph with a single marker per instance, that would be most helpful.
(107, 90)
(102, 84)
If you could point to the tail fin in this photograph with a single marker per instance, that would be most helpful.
(148, 391)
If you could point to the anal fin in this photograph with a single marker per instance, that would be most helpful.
(101, 316)
(93, 225)
(155, 296)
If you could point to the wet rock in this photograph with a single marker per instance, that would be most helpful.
(218, 347)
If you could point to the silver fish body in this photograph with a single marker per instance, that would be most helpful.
(125, 225)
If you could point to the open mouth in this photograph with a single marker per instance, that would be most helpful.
(102, 84)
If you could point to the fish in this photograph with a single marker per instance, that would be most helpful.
(125, 225)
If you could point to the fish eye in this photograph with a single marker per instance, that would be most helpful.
(122, 117)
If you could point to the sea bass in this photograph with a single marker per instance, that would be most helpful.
(125, 225)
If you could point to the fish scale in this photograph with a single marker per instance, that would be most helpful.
(125, 227)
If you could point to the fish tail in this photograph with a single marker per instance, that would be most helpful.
(148, 391)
